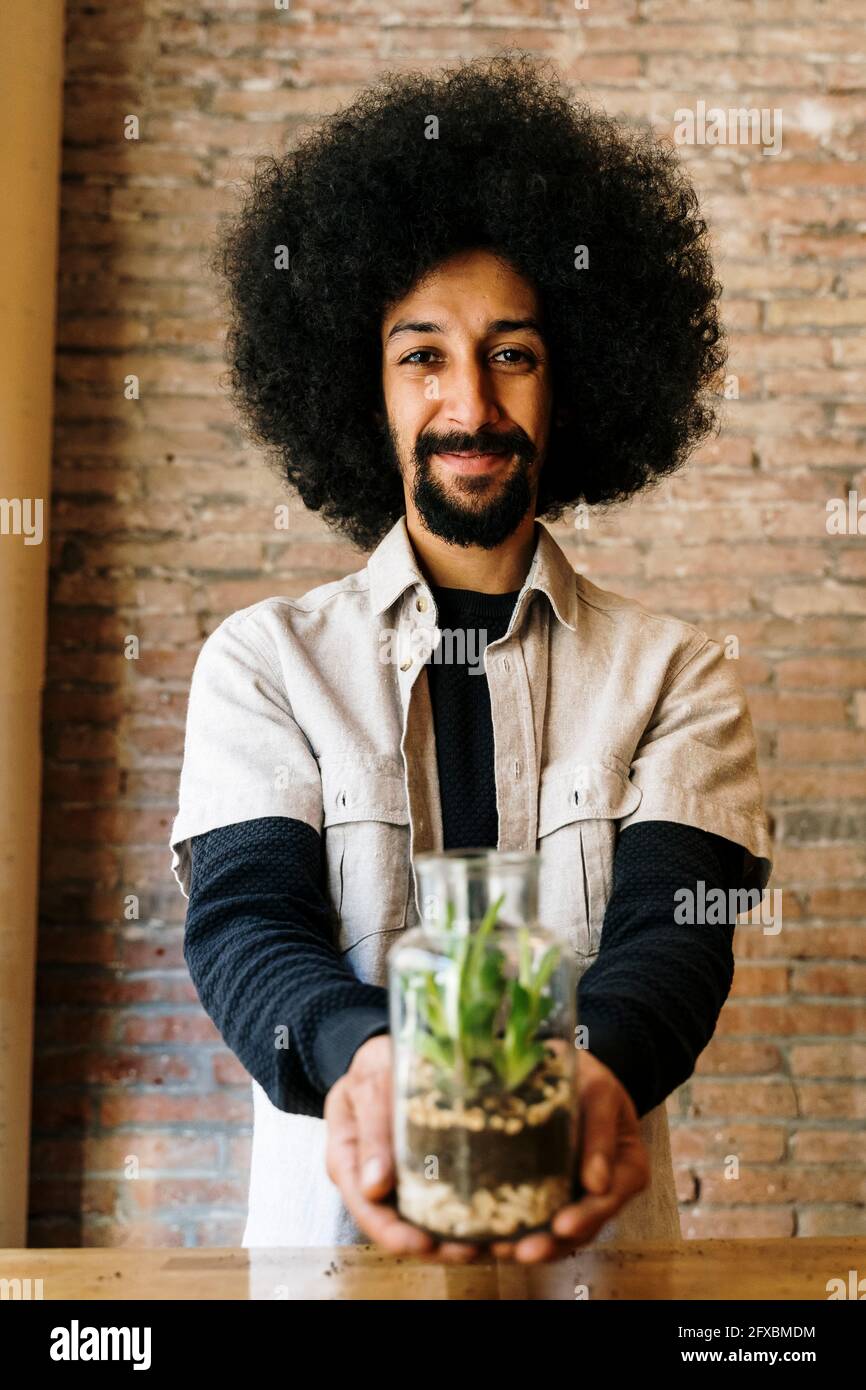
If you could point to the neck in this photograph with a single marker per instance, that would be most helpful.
(498, 571)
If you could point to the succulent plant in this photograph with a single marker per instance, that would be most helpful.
(479, 1025)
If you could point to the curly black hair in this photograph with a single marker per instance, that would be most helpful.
(367, 203)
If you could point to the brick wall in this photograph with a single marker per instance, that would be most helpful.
(162, 523)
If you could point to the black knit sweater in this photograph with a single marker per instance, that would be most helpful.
(259, 948)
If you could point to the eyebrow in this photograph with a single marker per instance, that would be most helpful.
(495, 326)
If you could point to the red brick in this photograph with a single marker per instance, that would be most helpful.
(827, 1145)
(771, 1184)
(705, 1143)
(740, 1019)
(829, 1059)
(724, 1058)
(844, 978)
(832, 1100)
(846, 1221)
(751, 1224)
(220, 1109)
(751, 981)
(150, 1195)
(776, 1098)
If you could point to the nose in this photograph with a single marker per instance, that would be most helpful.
(469, 399)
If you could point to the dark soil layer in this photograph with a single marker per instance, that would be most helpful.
(470, 1159)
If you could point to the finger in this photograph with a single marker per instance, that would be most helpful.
(455, 1252)
(372, 1107)
(585, 1218)
(577, 1224)
(536, 1248)
(379, 1221)
(631, 1171)
(341, 1147)
(502, 1250)
(384, 1225)
(600, 1116)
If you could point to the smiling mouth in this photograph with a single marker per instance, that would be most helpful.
(472, 462)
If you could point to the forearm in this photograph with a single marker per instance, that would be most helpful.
(259, 949)
(651, 1001)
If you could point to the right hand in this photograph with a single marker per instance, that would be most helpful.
(359, 1156)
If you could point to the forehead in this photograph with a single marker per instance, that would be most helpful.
(471, 287)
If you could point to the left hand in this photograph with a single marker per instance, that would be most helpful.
(614, 1167)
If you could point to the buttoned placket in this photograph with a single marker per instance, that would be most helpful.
(516, 666)
(418, 740)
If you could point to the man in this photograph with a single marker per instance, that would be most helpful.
(445, 339)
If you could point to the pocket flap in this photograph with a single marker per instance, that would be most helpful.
(576, 791)
(363, 790)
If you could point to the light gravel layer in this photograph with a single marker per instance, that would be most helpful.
(503, 1211)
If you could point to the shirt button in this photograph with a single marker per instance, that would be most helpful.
(404, 665)
(421, 604)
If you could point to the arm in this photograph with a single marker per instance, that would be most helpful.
(259, 949)
(652, 998)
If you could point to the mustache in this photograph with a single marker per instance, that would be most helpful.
(513, 441)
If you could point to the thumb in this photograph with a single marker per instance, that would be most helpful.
(375, 1154)
(600, 1124)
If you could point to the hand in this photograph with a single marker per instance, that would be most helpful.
(359, 1156)
(614, 1167)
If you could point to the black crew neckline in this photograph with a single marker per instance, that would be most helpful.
(473, 601)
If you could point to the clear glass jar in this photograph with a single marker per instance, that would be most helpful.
(482, 1004)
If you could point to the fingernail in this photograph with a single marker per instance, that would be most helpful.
(599, 1173)
(567, 1226)
(373, 1172)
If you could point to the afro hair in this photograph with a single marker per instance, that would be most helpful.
(339, 228)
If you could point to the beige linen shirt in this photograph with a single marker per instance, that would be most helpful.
(318, 708)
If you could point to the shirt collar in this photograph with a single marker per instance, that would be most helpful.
(393, 567)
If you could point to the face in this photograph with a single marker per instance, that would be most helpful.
(467, 391)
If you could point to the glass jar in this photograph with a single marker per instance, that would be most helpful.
(482, 1005)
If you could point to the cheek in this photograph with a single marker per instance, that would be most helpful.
(530, 405)
(399, 395)
(535, 421)
(409, 407)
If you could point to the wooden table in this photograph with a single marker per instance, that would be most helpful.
(786, 1268)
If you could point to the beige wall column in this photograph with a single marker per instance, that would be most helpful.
(31, 101)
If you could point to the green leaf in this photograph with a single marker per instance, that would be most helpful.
(546, 967)
(462, 1013)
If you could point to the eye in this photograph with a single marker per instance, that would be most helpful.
(517, 352)
(411, 357)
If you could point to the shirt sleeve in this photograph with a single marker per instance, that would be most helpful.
(258, 946)
(245, 757)
(696, 763)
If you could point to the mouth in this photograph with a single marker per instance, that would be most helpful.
(472, 463)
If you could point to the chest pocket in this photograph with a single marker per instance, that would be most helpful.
(366, 838)
(579, 805)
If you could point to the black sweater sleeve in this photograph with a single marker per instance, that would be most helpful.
(259, 946)
(652, 998)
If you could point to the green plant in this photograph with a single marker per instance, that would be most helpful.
(478, 1022)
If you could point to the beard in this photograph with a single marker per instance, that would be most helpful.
(479, 510)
